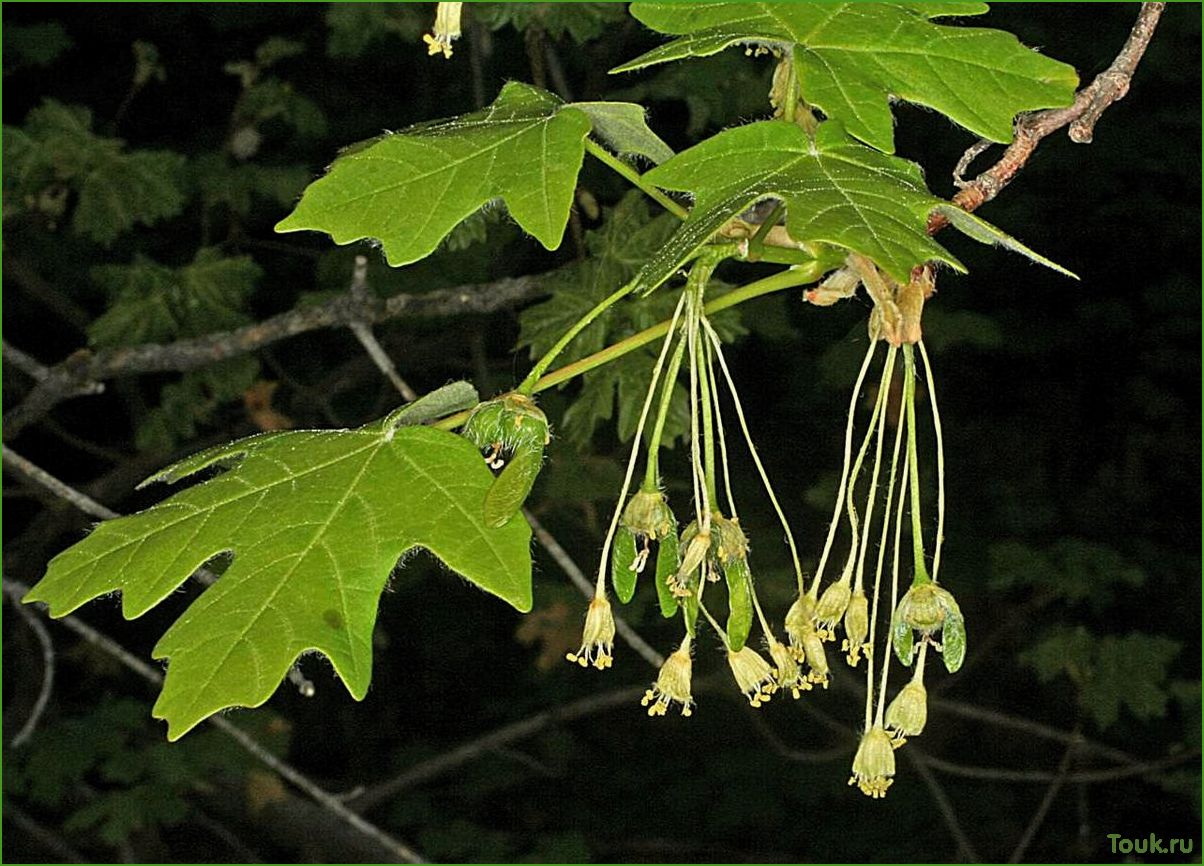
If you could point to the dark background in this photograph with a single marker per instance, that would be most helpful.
(1072, 433)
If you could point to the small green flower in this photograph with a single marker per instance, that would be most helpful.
(598, 636)
(857, 627)
(874, 763)
(927, 608)
(753, 675)
(672, 683)
(908, 712)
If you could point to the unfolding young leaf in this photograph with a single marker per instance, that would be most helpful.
(315, 520)
(410, 189)
(853, 58)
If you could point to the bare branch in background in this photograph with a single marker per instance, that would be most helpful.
(39, 705)
(397, 849)
(83, 371)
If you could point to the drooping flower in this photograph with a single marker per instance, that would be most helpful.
(908, 712)
(672, 683)
(754, 677)
(447, 29)
(817, 660)
(874, 763)
(831, 607)
(798, 624)
(789, 674)
(598, 636)
(857, 627)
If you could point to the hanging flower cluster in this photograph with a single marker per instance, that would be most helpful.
(711, 554)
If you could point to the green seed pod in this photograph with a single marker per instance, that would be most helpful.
(510, 489)
(512, 422)
(739, 602)
(953, 641)
(902, 639)
(666, 568)
(624, 564)
(688, 578)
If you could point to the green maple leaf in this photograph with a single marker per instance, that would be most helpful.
(836, 191)
(316, 520)
(410, 189)
(852, 58)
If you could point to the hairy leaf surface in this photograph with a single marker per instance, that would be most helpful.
(852, 58)
(315, 520)
(410, 189)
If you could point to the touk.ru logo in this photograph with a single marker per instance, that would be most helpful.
(1151, 844)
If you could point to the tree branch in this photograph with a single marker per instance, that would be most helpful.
(84, 370)
(1081, 116)
(39, 705)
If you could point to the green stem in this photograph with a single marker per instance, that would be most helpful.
(757, 244)
(791, 106)
(528, 385)
(613, 162)
(652, 474)
(917, 525)
(775, 283)
(708, 425)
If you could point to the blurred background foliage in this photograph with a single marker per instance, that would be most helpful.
(148, 150)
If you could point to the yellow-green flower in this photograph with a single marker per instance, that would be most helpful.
(598, 636)
(856, 627)
(798, 624)
(813, 648)
(447, 29)
(753, 675)
(831, 607)
(874, 763)
(672, 683)
(789, 674)
(908, 712)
